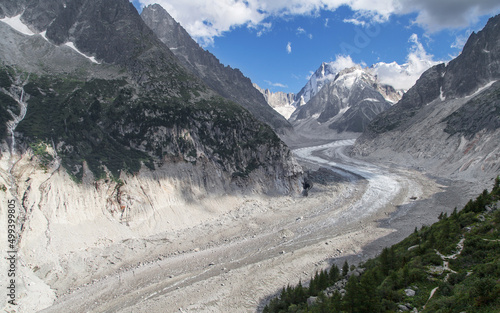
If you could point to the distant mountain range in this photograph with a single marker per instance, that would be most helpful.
(347, 103)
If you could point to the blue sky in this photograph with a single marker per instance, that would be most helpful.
(278, 43)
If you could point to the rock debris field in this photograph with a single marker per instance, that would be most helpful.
(235, 262)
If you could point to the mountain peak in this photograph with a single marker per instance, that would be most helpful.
(229, 83)
(346, 104)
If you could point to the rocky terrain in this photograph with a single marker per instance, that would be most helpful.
(107, 138)
(142, 180)
(343, 106)
(323, 75)
(282, 102)
(447, 124)
(228, 82)
(233, 260)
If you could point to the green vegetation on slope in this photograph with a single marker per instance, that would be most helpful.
(456, 259)
(116, 126)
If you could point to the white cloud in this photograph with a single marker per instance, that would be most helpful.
(262, 28)
(404, 76)
(355, 21)
(300, 31)
(207, 19)
(460, 40)
(289, 47)
(276, 84)
(342, 62)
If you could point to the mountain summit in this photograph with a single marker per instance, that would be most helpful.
(228, 82)
(345, 104)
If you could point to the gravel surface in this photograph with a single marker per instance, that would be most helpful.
(235, 262)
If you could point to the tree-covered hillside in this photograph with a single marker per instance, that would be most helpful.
(451, 266)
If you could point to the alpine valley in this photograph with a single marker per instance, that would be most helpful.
(139, 174)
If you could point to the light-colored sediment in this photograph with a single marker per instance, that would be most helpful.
(207, 254)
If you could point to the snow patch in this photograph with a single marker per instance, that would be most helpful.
(350, 78)
(441, 95)
(488, 85)
(16, 23)
(72, 46)
(44, 35)
(372, 100)
(286, 111)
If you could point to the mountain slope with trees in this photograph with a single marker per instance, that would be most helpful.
(450, 266)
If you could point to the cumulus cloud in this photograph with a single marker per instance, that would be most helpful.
(207, 19)
(342, 62)
(437, 15)
(289, 47)
(276, 84)
(404, 76)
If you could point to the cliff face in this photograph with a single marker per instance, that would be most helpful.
(131, 105)
(105, 137)
(449, 121)
(228, 82)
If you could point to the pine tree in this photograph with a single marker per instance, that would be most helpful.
(345, 268)
(352, 297)
(334, 274)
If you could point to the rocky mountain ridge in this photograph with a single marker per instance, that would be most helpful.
(448, 122)
(323, 75)
(152, 86)
(347, 103)
(228, 82)
(105, 137)
(280, 101)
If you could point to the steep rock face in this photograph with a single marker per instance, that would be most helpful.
(325, 74)
(346, 104)
(282, 102)
(449, 120)
(228, 82)
(127, 148)
(477, 65)
(155, 109)
(427, 88)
